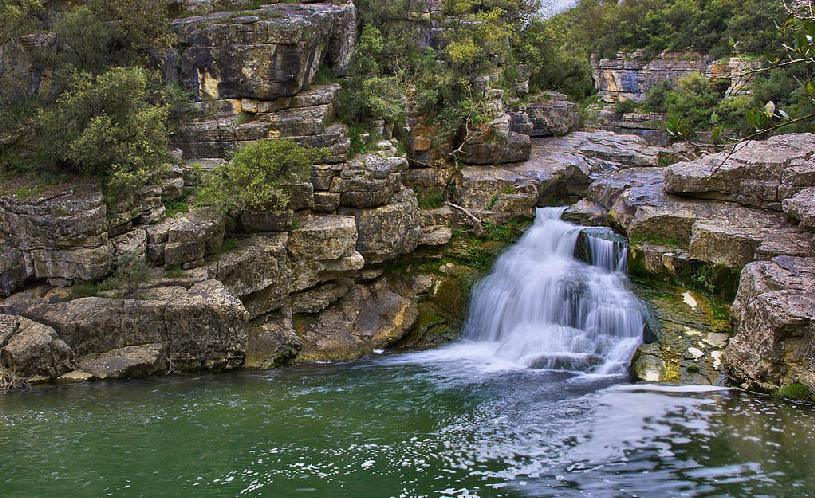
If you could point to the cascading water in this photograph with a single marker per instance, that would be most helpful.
(543, 308)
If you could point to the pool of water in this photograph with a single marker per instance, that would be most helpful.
(445, 422)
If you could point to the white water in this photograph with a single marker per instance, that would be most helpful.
(543, 308)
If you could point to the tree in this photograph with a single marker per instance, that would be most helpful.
(109, 127)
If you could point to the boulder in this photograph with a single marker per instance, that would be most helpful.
(124, 363)
(389, 231)
(774, 325)
(757, 174)
(32, 349)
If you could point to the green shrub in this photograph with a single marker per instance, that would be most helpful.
(625, 106)
(107, 127)
(794, 391)
(692, 104)
(256, 178)
(656, 100)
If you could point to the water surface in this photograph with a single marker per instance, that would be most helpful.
(405, 425)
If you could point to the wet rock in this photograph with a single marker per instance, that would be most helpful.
(774, 325)
(758, 174)
(722, 233)
(317, 299)
(587, 213)
(127, 362)
(369, 317)
(388, 231)
(33, 349)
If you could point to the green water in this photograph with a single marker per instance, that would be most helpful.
(427, 424)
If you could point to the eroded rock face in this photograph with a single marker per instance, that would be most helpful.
(801, 208)
(388, 231)
(62, 236)
(33, 349)
(721, 233)
(369, 180)
(558, 171)
(201, 327)
(495, 143)
(550, 114)
(272, 343)
(758, 174)
(266, 53)
(369, 317)
(774, 325)
(186, 239)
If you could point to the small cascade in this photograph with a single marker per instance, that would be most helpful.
(605, 249)
(545, 308)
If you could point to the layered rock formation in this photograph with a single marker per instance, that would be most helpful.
(630, 75)
(706, 220)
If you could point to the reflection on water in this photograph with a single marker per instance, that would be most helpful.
(404, 425)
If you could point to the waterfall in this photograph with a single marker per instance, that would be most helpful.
(544, 308)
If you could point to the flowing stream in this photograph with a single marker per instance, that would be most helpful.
(533, 401)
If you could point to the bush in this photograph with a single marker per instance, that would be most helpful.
(107, 127)
(691, 105)
(656, 100)
(256, 178)
(625, 106)
(798, 392)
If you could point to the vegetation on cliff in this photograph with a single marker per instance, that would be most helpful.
(95, 106)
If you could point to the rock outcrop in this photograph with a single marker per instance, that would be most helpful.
(774, 325)
(61, 236)
(630, 75)
(757, 174)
